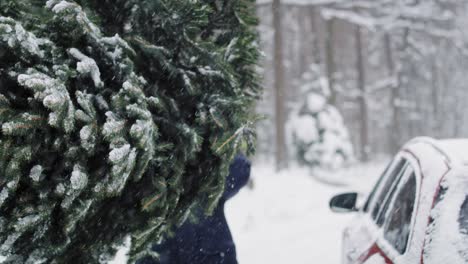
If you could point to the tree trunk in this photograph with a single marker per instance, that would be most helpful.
(304, 40)
(316, 56)
(361, 84)
(459, 103)
(280, 111)
(330, 59)
(435, 99)
(394, 132)
(399, 121)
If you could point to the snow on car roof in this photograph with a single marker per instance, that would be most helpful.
(455, 151)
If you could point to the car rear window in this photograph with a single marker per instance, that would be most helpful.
(447, 235)
(463, 218)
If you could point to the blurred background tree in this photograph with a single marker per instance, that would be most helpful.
(395, 69)
(316, 134)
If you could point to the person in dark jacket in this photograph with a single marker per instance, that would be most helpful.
(209, 240)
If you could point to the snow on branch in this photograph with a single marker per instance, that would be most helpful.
(351, 17)
(390, 82)
(389, 15)
(86, 65)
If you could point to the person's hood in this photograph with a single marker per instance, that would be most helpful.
(239, 174)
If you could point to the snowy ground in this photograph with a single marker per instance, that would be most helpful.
(286, 219)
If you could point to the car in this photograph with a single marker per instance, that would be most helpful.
(417, 211)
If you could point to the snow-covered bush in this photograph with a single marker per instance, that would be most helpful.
(317, 135)
(116, 117)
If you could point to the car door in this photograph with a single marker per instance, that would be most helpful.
(359, 237)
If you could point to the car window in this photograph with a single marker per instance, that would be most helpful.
(389, 180)
(370, 198)
(463, 217)
(463, 228)
(397, 228)
(390, 194)
(448, 223)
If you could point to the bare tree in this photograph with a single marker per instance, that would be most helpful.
(280, 96)
(362, 99)
(330, 59)
(315, 35)
(390, 64)
(435, 84)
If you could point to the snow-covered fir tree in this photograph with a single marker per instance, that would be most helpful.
(117, 116)
(317, 134)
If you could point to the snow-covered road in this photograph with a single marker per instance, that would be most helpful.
(286, 219)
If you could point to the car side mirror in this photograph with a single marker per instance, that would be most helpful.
(344, 203)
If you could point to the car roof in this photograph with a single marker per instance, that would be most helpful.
(454, 151)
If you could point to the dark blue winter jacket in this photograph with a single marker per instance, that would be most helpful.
(209, 241)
